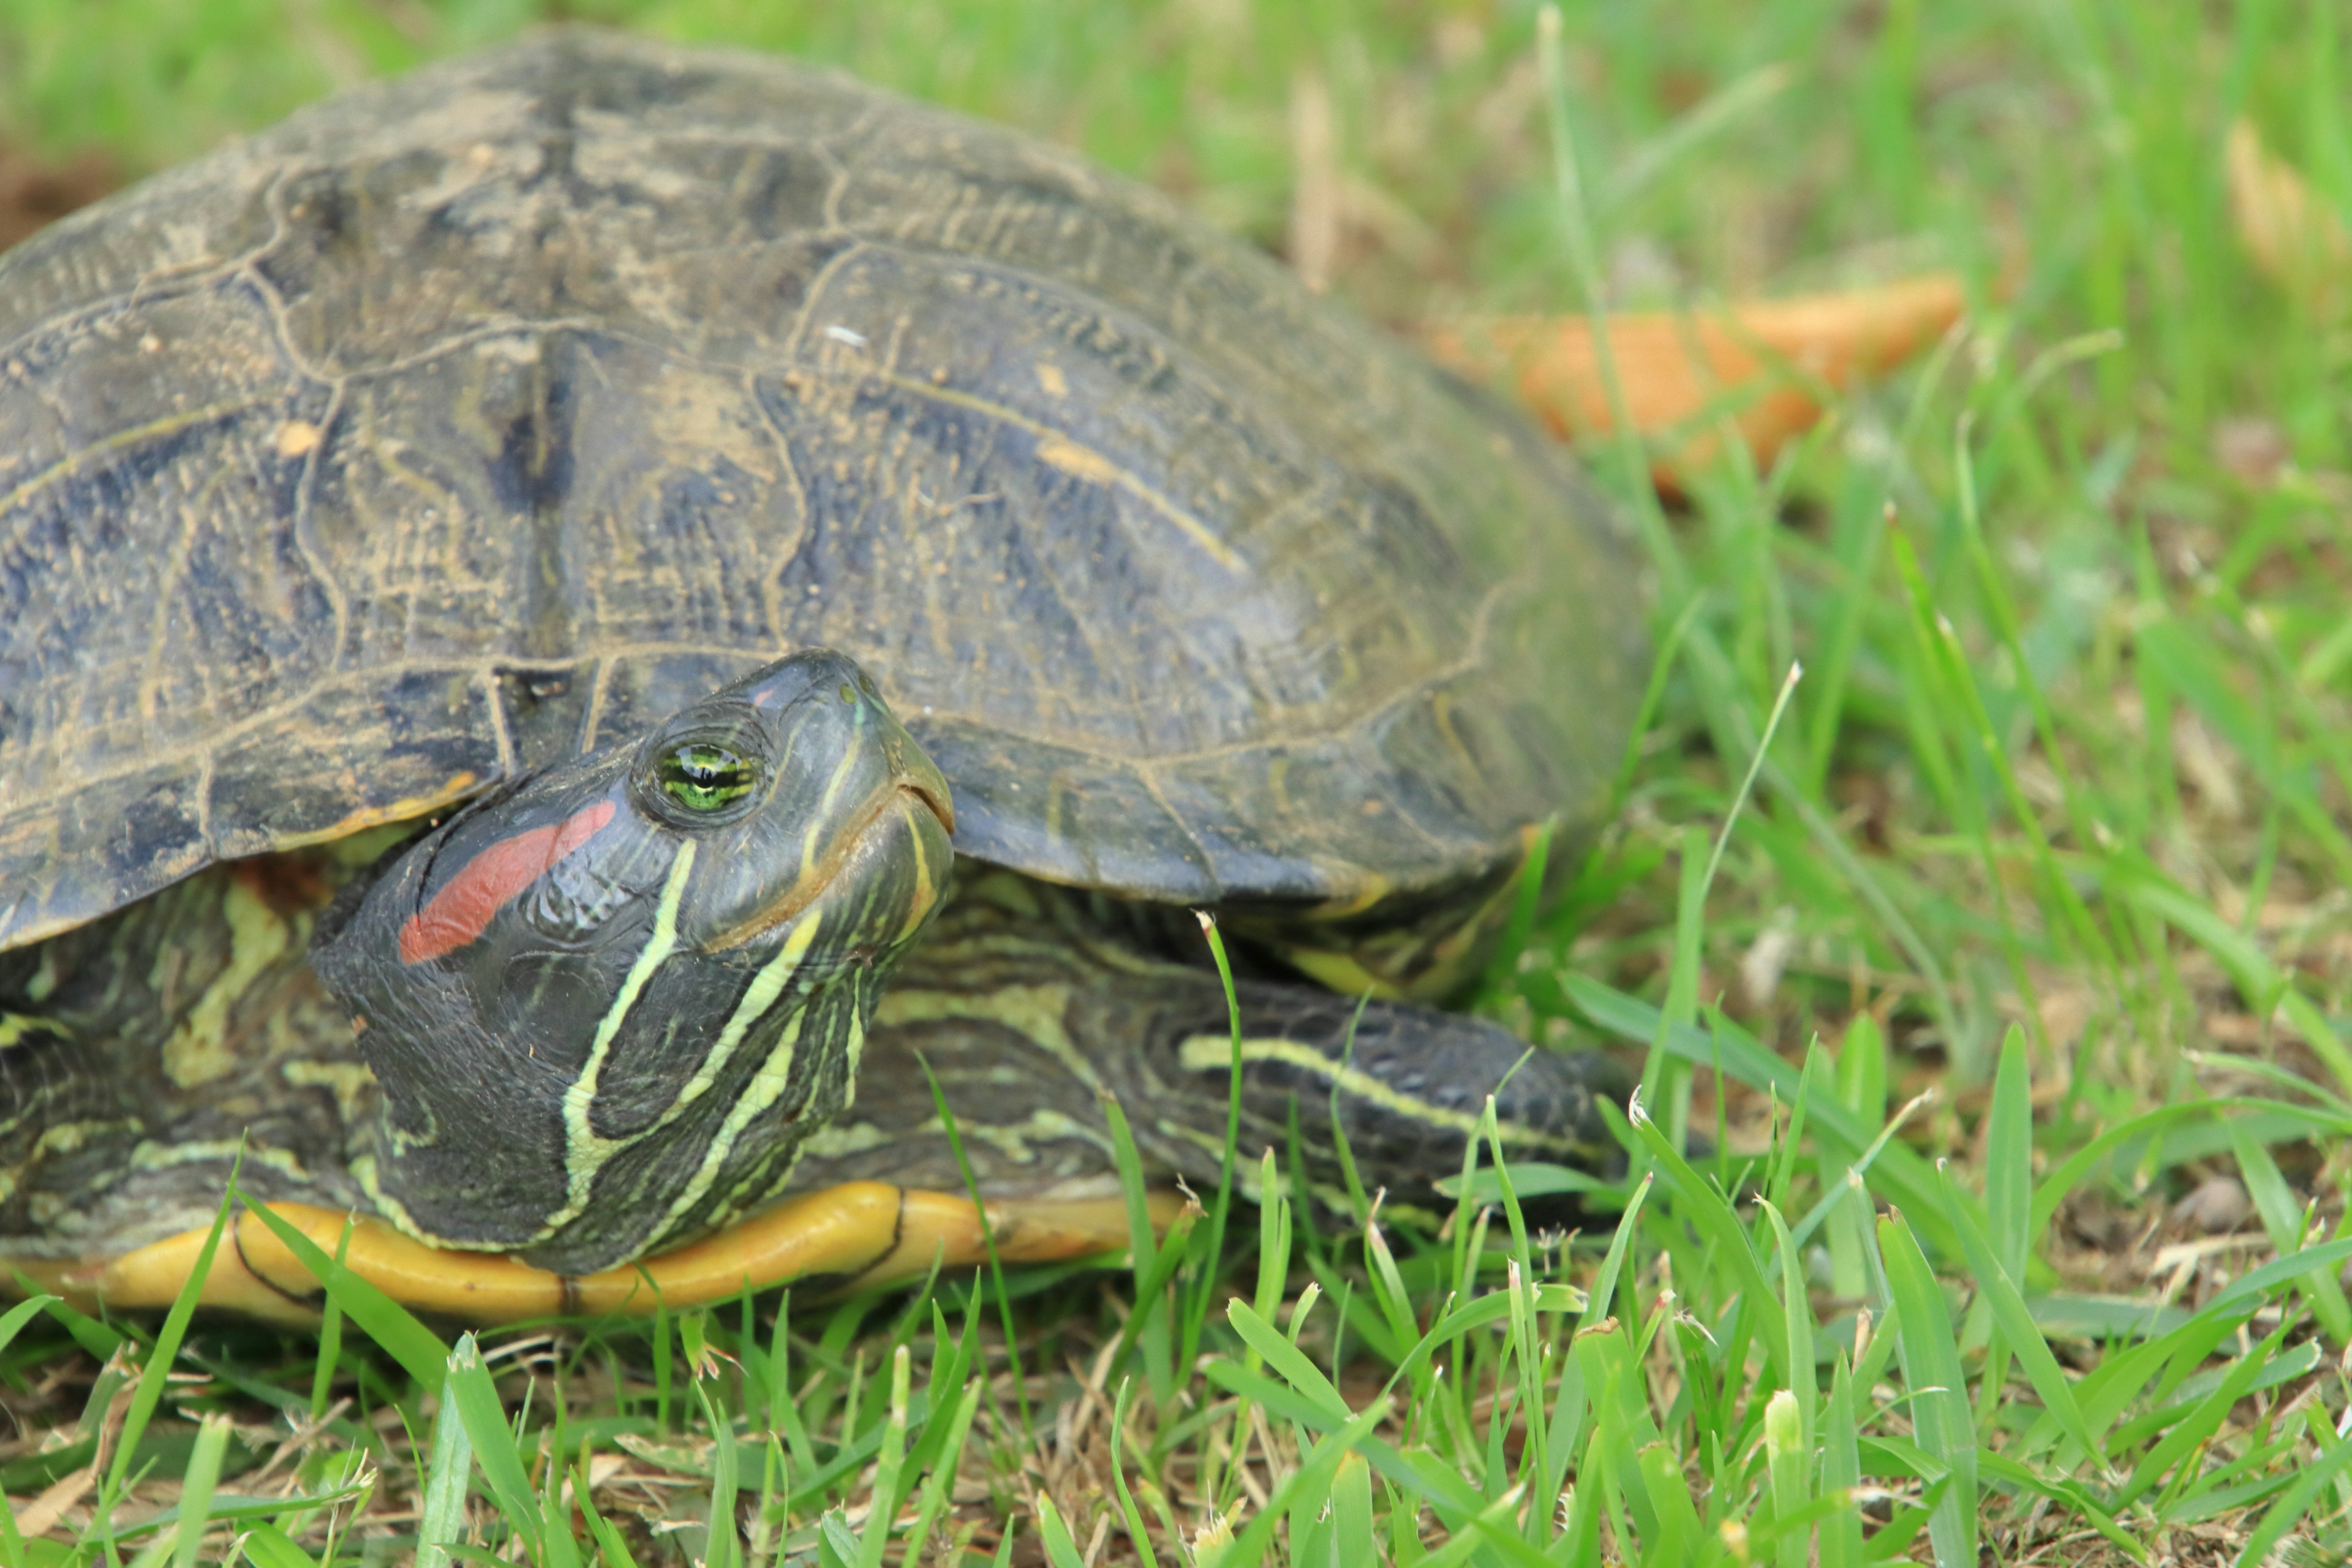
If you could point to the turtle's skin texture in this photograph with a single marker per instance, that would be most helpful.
(436, 451)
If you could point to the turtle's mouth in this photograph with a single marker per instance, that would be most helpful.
(934, 796)
(897, 816)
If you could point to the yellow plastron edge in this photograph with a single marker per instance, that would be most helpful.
(861, 1232)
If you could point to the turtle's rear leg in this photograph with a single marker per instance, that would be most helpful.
(140, 1054)
(1027, 1006)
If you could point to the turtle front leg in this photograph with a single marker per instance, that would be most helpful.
(1025, 1011)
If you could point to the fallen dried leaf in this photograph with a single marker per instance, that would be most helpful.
(2215, 1205)
(2290, 233)
(40, 1516)
(2253, 449)
(1761, 360)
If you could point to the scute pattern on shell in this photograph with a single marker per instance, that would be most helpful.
(468, 419)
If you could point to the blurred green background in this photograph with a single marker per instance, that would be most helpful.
(1835, 131)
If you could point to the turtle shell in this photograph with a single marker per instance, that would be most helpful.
(465, 421)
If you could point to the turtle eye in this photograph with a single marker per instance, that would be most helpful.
(703, 777)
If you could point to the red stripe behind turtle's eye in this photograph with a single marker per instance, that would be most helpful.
(469, 900)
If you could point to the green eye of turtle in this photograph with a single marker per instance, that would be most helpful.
(704, 777)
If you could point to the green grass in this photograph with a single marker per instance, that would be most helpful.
(2055, 825)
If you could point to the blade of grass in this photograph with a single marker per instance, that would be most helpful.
(441, 1518)
(1313, 1478)
(1939, 1405)
(2009, 1156)
(154, 1377)
(1999, 1289)
(987, 1239)
(1900, 1172)
(1149, 1317)
(1840, 1540)
(196, 1484)
(1060, 1549)
(1212, 1253)
(416, 1347)
(2281, 1219)
(2294, 1506)
(266, 1546)
(725, 1546)
(492, 1441)
(2198, 1426)
(1129, 1515)
(1797, 1313)
(876, 1537)
(1706, 1210)
(331, 1334)
(940, 1484)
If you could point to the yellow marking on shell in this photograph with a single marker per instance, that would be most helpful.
(1057, 794)
(197, 1051)
(72, 464)
(1057, 450)
(873, 1233)
(1032, 1012)
(455, 788)
(1213, 1053)
(42, 929)
(1085, 463)
(1050, 378)
(298, 438)
(584, 1152)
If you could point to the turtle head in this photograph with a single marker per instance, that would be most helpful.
(605, 1004)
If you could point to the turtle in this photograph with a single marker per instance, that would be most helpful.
(628, 672)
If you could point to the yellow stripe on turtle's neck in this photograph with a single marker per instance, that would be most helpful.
(584, 1152)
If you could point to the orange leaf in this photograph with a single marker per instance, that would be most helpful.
(1761, 361)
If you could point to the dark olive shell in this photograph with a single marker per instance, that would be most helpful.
(467, 420)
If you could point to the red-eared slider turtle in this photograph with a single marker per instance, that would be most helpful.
(512, 583)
